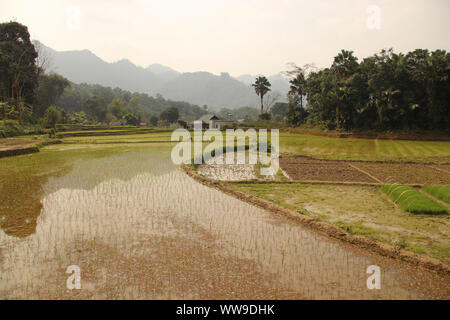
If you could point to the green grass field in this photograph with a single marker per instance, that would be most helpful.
(365, 149)
(440, 192)
(318, 146)
(413, 201)
(129, 138)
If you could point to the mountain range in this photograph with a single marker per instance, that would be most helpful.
(200, 88)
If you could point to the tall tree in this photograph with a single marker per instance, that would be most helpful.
(5, 75)
(23, 73)
(96, 108)
(50, 88)
(262, 86)
(296, 113)
(52, 117)
(345, 64)
(170, 114)
(431, 71)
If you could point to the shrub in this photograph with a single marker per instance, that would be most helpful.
(440, 192)
(163, 124)
(11, 128)
(413, 201)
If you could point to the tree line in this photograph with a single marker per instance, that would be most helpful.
(387, 91)
(92, 102)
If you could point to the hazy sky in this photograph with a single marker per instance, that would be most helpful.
(236, 36)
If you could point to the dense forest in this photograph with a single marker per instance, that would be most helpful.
(387, 91)
(110, 105)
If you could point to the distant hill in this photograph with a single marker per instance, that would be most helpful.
(164, 72)
(201, 88)
(206, 88)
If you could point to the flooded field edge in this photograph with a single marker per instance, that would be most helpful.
(329, 230)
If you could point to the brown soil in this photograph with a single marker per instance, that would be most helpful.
(315, 170)
(443, 167)
(18, 146)
(15, 143)
(405, 173)
(321, 170)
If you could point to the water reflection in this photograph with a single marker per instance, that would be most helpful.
(140, 228)
(20, 207)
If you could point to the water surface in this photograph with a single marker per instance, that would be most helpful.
(139, 228)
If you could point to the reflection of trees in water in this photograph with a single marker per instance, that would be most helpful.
(21, 204)
(125, 166)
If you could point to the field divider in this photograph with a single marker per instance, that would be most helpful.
(364, 172)
(285, 174)
(338, 183)
(440, 169)
(326, 228)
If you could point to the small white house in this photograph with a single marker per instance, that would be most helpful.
(211, 121)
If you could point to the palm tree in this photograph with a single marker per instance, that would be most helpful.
(297, 88)
(262, 86)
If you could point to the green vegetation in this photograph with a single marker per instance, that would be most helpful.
(121, 139)
(364, 149)
(52, 116)
(382, 92)
(18, 71)
(279, 111)
(366, 212)
(169, 114)
(11, 128)
(26, 92)
(440, 192)
(413, 201)
(50, 88)
(262, 86)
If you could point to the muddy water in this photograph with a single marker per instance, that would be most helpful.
(139, 228)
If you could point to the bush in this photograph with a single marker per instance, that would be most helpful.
(413, 201)
(12, 128)
(163, 124)
(265, 116)
(440, 192)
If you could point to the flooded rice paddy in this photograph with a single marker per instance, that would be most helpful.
(139, 228)
(217, 169)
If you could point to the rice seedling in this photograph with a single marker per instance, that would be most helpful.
(413, 201)
(139, 227)
(440, 192)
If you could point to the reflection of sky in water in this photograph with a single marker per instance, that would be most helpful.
(124, 199)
